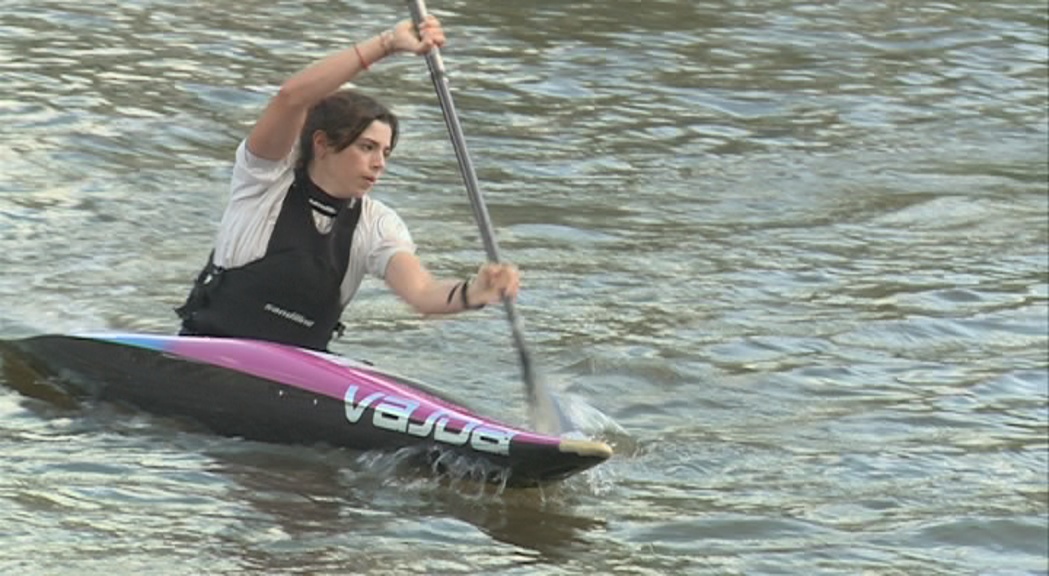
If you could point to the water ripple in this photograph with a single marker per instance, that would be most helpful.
(790, 255)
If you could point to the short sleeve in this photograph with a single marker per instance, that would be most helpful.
(253, 175)
(389, 236)
(257, 188)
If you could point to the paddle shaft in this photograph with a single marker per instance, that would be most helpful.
(466, 169)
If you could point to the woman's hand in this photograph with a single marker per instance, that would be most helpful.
(494, 282)
(402, 37)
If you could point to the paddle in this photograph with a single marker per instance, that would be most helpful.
(545, 412)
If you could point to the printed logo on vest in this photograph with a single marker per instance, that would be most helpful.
(288, 315)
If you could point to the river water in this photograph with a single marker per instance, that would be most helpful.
(789, 258)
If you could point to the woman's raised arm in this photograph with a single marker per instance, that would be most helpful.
(276, 131)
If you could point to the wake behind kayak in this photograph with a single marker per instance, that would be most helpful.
(274, 393)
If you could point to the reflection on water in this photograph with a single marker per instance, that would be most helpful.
(797, 252)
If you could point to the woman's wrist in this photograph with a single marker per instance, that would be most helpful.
(468, 302)
(374, 49)
(386, 42)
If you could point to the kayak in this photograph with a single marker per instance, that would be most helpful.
(270, 392)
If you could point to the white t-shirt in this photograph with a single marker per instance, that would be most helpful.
(257, 191)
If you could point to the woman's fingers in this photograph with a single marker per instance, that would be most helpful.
(500, 280)
(430, 34)
(432, 31)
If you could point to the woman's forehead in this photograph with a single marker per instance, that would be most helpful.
(379, 131)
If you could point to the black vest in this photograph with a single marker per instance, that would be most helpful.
(290, 295)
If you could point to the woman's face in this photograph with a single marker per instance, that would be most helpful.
(354, 170)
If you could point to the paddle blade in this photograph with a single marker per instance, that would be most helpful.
(547, 416)
(546, 412)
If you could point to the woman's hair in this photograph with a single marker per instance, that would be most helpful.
(342, 116)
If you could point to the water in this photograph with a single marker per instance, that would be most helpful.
(790, 257)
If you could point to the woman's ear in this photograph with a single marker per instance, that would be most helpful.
(320, 144)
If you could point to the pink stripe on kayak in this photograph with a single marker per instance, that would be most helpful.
(322, 374)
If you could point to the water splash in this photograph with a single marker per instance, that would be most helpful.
(462, 472)
(587, 420)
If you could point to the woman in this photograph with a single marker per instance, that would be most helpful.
(300, 231)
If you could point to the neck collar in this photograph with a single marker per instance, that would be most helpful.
(318, 199)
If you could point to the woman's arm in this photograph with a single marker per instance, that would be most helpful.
(278, 128)
(414, 284)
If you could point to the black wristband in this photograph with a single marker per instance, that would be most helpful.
(466, 301)
(451, 293)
